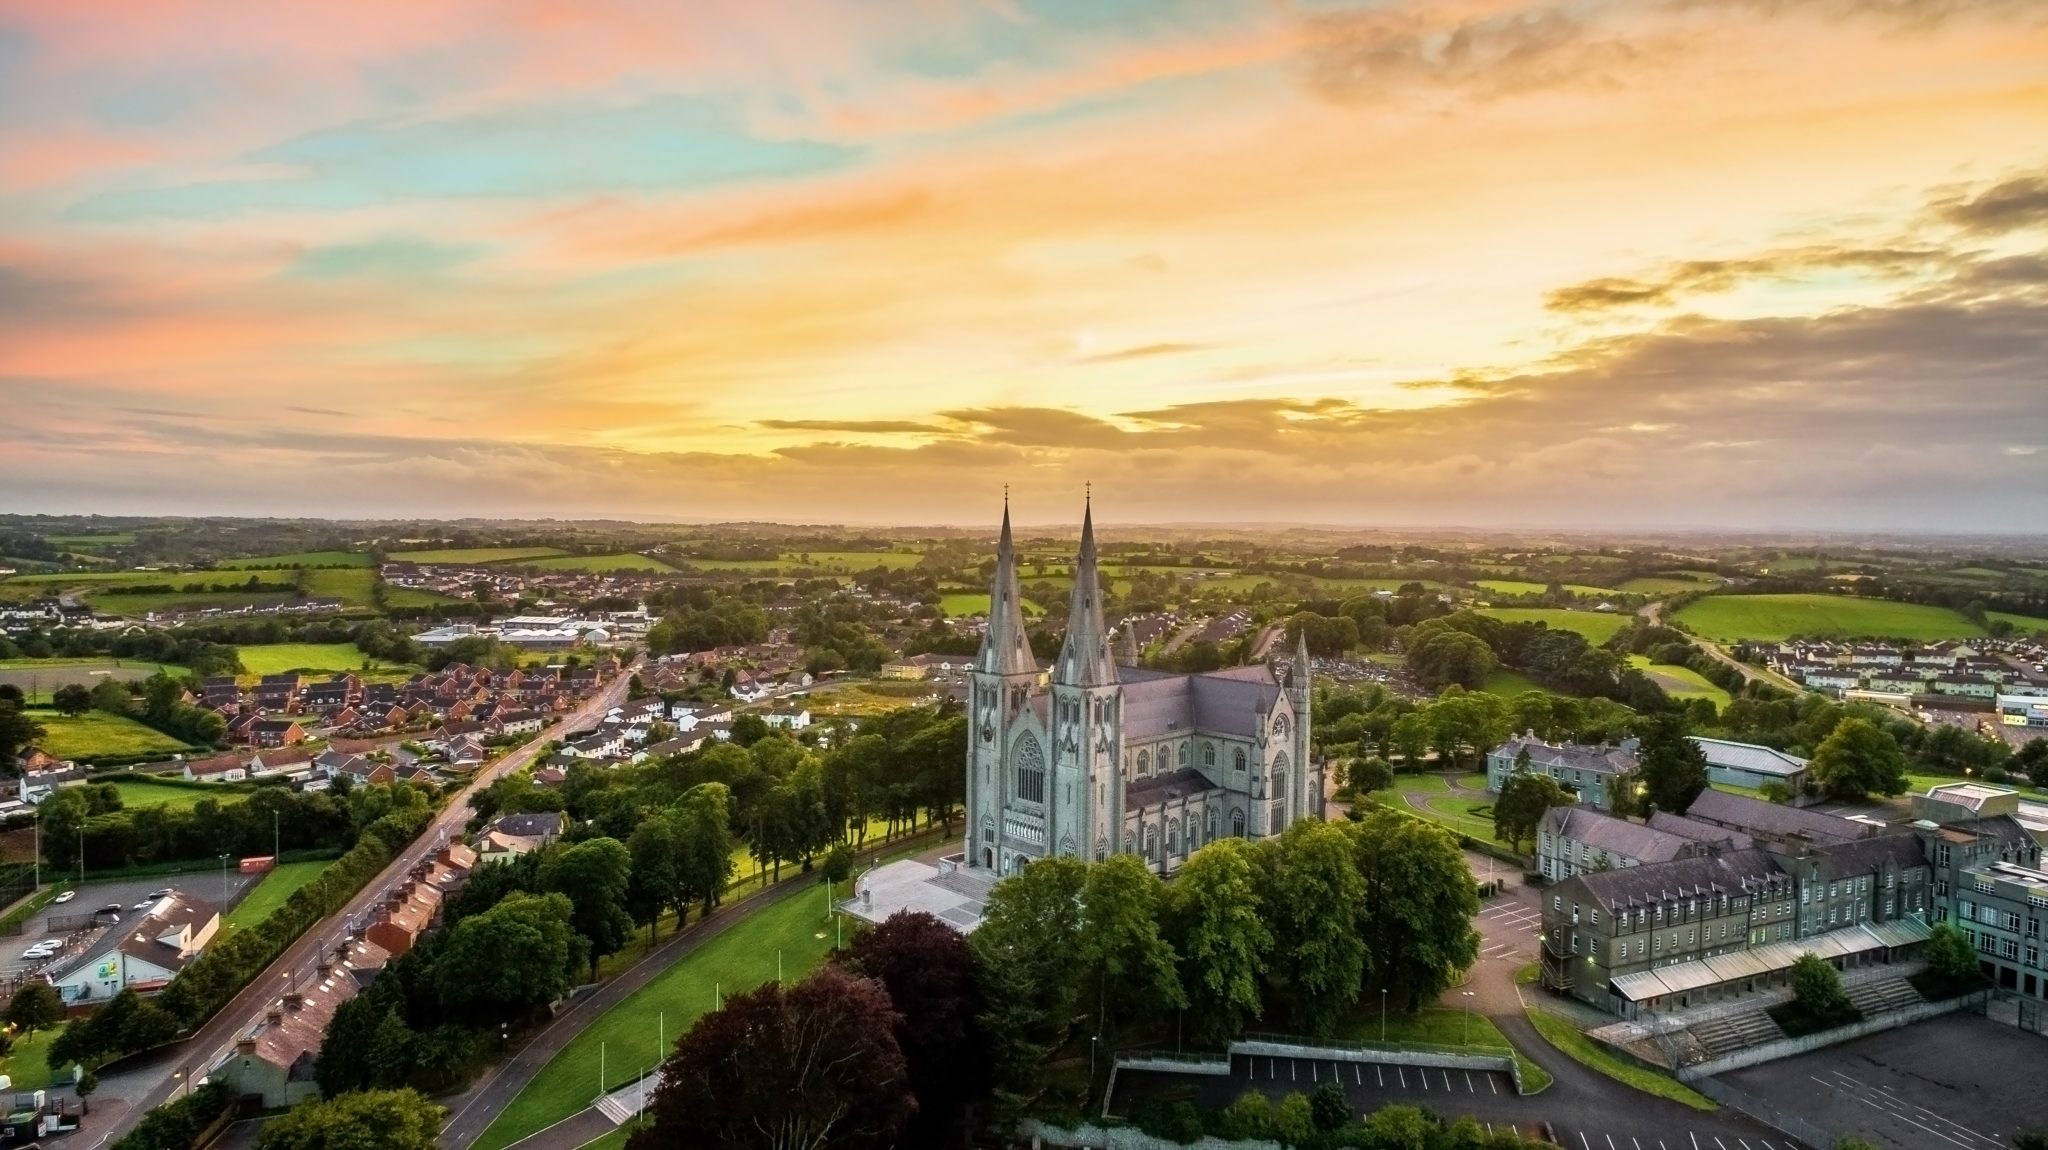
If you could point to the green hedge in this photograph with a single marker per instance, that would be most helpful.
(177, 1125)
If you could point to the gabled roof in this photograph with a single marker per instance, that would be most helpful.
(1731, 871)
(1233, 702)
(1615, 835)
(1769, 820)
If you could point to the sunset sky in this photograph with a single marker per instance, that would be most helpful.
(1694, 263)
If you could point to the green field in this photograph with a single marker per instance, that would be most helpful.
(271, 892)
(352, 585)
(38, 678)
(137, 793)
(397, 597)
(1662, 585)
(1792, 563)
(741, 958)
(1507, 684)
(136, 606)
(1519, 587)
(764, 565)
(969, 603)
(476, 554)
(299, 559)
(1681, 682)
(2024, 624)
(1768, 618)
(601, 563)
(97, 733)
(1596, 626)
(854, 560)
(277, 658)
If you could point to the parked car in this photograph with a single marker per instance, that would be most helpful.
(112, 910)
(53, 945)
(35, 952)
(161, 892)
(67, 896)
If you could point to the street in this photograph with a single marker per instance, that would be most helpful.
(177, 1065)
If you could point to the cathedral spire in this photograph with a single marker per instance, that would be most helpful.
(1005, 648)
(1297, 675)
(1084, 658)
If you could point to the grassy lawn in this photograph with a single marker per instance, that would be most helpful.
(1680, 682)
(136, 606)
(476, 554)
(301, 559)
(1567, 1038)
(139, 793)
(1733, 618)
(28, 1063)
(601, 563)
(1420, 783)
(270, 893)
(1508, 684)
(1596, 626)
(1472, 817)
(1441, 1026)
(2025, 624)
(1476, 781)
(739, 959)
(98, 733)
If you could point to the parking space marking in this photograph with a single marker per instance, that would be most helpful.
(1493, 1082)
(1357, 1074)
(1380, 1073)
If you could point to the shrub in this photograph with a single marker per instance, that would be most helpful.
(177, 1125)
(1251, 1116)
(1328, 1107)
(1294, 1120)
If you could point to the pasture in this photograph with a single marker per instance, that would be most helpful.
(158, 602)
(600, 564)
(476, 554)
(1596, 626)
(96, 734)
(1680, 682)
(957, 603)
(403, 597)
(854, 560)
(2024, 624)
(1520, 587)
(38, 678)
(1507, 684)
(299, 559)
(1770, 618)
(1663, 585)
(354, 586)
(277, 658)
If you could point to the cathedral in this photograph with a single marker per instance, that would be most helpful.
(1090, 758)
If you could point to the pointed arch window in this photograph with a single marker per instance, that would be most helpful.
(1144, 762)
(1237, 760)
(1237, 824)
(1183, 754)
(1173, 837)
(1208, 754)
(1029, 758)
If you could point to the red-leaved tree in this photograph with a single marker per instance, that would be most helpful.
(932, 978)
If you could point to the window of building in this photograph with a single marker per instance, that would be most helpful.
(1173, 837)
(2033, 955)
(1030, 760)
(1144, 762)
(1208, 754)
(2009, 920)
(1237, 759)
(1237, 824)
(1183, 754)
(2008, 949)
(1987, 944)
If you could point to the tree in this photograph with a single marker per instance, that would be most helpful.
(72, 699)
(1119, 945)
(365, 1120)
(838, 865)
(1220, 933)
(1029, 947)
(597, 876)
(1444, 656)
(1775, 791)
(1519, 810)
(1859, 757)
(1319, 957)
(111, 696)
(1950, 957)
(1371, 773)
(934, 982)
(1328, 1107)
(813, 1065)
(511, 960)
(1673, 769)
(1410, 736)
(1416, 917)
(35, 1006)
(655, 881)
(17, 730)
(1817, 987)
(707, 842)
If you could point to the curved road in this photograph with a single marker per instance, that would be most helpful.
(1653, 614)
(218, 1034)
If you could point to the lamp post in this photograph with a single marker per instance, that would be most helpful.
(276, 837)
(1468, 1019)
(224, 879)
(1383, 1016)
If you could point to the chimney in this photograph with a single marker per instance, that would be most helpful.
(246, 1047)
(274, 1018)
(294, 1000)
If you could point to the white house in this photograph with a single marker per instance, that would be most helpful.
(787, 718)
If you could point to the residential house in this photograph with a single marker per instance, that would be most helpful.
(274, 1060)
(216, 769)
(279, 692)
(1572, 840)
(408, 912)
(787, 718)
(281, 761)
(276, 733)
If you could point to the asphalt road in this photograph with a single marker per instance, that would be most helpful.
(218, 1034)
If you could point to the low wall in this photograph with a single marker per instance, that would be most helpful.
(1788, 1047)
(1275, 1046)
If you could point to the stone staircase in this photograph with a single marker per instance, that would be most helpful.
(1882, 994)
(1737, 1031)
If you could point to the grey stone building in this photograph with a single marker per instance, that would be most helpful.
(1989, 881)
(1095, 758)
(1589, 773)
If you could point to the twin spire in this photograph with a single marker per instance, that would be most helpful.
(1084, 659)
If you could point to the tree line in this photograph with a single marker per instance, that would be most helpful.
(92, 818)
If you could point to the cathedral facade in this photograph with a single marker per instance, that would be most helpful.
(1090, 758)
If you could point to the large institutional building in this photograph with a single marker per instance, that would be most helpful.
(1094, 758)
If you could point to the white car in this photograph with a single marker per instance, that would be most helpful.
(67, 896)
(145, 904)
(35, 953)
(53, 945)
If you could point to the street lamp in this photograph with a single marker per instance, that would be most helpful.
(224, 878)
(1468, 1018)
(1383, 1016)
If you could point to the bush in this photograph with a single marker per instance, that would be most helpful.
(1294, 1120)
(1328, 1107)
(177, 1125)
(1251, 1116)
(1818, 1002)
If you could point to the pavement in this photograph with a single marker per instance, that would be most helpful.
(151, 1080)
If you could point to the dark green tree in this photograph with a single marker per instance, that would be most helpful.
(1524, 798)
(1218, 928)
(596, 876)
(1673, 769)
(1857, 759)
(379, 1119)
(1319, 955)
